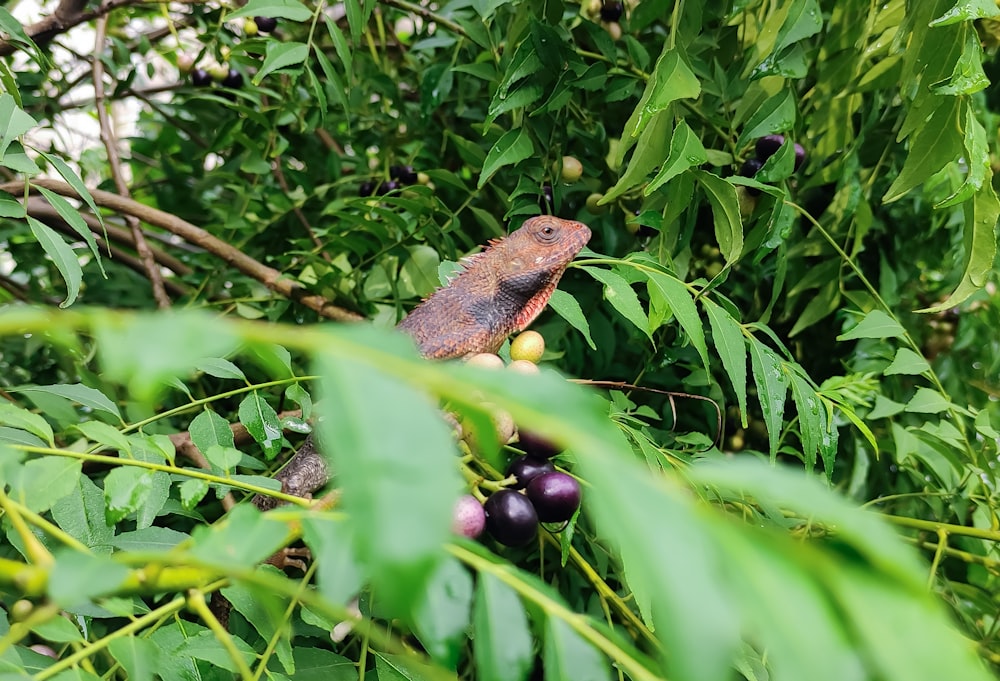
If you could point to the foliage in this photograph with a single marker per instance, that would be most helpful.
(167, 331)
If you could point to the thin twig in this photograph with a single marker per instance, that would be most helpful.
(279, 175)
(114, 161)
(268, 276)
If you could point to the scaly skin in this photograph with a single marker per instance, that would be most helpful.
(500, 291)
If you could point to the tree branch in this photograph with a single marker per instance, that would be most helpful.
(110, 141)
(268, 276)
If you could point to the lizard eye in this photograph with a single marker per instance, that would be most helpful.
(547, 233)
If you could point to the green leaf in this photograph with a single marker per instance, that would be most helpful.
(279, 56)
(208, 429)
(223, 458)
(74, 181)
(262, 423)
(282, 9)
(79, 577)
(622, 297)
(265, 611)
(980, 247)
(968, 76)
(16, 417)
(884, 408)
(977, 157)
(13, 122)
(567, 656)
(138, 657)
(513, 147)
(566, 306)
(937, 142)
(339, 574)
(671, 79)
(725, 212)
(681, 303)
(772, 386)
(927, 401)
(80, 514)
(776, 114)
(40, 483)
(73, 218)
(63, 257)
(727, 335)
(502, 647)
(875, 324)
(441, 616)
(647, 156)
(805, 19)
(77, 392)
(967, 10)
(396, 467)
(221, 368)
(686, 151)
(225, 544)
(126, 489)
(811, 420)
(149, 540)
(339, 44)
(907, 362)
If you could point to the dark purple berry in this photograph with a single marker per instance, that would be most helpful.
(404, 174)
(265, 24)
(510, 518)
(800, 155)
(750, 167)
(546, 201)
(767, 146)
(468, 517)
(555, 496)
(387, 187)
(367, 188)
(535, 445)
(233, 80)
(526, 468)
(612, 11)
(200, 78)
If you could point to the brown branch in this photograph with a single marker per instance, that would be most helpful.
(39, 208)
(279, 175)
(68, 14)
(268, 276)
(114, 161)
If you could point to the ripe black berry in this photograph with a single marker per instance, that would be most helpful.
(767, 146)
(387, 187)
(233, 80)
(200, 78)
(612, 11)
(555, 496)
(526, 468)
(510, 518)
(367, 188)
(265, 24)
(800, 155)
(750, 167)
(535, 445)
(404, 174)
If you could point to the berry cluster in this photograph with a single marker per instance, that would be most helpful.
(533, 490)
(399, 176)
(765, 148)
(223, 74)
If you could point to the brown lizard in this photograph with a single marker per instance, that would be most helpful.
(499, 291)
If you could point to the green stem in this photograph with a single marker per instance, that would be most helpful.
(196, 601)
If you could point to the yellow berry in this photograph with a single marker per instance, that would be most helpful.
(529, 345)
(485, 360)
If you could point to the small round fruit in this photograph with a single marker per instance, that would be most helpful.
(503, 424)
(768, 145)
(593, 206)
(468, 517)
(404, 174)
(614, 30)
(523, 366)
(386, 187)
(21, 609)
(750, 167)
(535, 445)
(612, 11)
(233, 80)
(529, 345)
(367, 188)
(200, 78)
(249, 27)
(218, 72)
(423, 178)
(485, 360)
(265, 24)
(555, 496)
(800, 155)
(185, 62)
(526, 468)
(546, 201)
(511, 518)
(572, 169)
